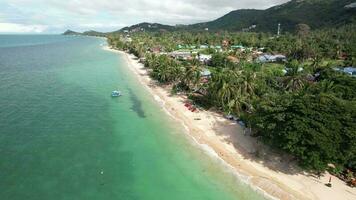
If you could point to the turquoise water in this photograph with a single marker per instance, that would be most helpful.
(63, 137)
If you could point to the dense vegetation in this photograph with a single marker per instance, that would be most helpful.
(303, 107)
(315, 46)
(316, 13)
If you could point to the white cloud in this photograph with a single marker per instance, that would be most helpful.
(79, 14)
(21, 28)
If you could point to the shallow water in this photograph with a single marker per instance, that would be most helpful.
(63, 137)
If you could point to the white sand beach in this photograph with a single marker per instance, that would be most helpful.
(272, 173)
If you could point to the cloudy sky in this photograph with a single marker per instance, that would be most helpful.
(55, 16)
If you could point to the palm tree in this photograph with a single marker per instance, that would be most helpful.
(233, 89)
(247, 83)
(175, 70)
(294, 79)
(192, 74)
(327, 86)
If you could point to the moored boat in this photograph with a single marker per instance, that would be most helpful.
(116, 93)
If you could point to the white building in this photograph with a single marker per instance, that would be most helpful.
(204, 58)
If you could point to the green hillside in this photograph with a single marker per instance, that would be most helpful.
(315, 13)
(149, 27)
(94, 33)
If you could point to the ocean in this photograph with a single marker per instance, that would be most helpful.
(62, 136)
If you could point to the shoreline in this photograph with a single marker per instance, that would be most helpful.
(225, 140)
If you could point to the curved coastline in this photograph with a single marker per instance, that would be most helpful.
(207, 134)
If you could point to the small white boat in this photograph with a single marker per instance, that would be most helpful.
(116, 93)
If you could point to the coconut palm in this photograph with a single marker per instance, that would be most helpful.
(233, 89)
(294, 79)
(327, 86)
(247, 83)
(192, 74)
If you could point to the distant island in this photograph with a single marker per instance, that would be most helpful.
(70, 32)
(86, 33)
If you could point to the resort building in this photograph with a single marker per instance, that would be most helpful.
(237, 47)
(225, 43)
(155, 50)
(205, 76)
(233, 59)
(205, 73)
(205, 59)
(181, 55)
(266, 58)
(348, 70)
(204, 46)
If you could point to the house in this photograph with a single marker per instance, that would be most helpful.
(233, 59)
(280, 58)
(225, 43)
(237, 47)
(204, 47)
(182, 55)
(205, 73)
(203, 58)
(155, 50)
(286, 70)
(352, 5)
(348, 70)
(265, 58)
(258, 52)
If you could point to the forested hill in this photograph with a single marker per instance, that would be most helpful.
(315, 13)
(94, 33)
(150, 27)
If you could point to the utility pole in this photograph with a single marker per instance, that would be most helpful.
(279, 29)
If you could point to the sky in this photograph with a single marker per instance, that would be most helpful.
(56, 16)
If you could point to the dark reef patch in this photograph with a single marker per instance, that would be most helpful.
(136, 105)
